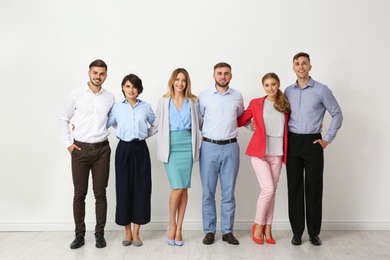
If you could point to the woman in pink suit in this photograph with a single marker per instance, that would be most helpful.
(267, 148)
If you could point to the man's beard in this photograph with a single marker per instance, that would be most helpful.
(222, 86)
(96, 85)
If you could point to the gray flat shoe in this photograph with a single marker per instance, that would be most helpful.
(127, 242)
(137, 243)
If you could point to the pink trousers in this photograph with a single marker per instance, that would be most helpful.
(267, 171)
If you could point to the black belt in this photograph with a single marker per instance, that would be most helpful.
(91, 145)
(304, 135)
(132, 141)
(233, 140)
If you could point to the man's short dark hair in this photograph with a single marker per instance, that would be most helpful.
(222, 65)
(301, 54)
(98, 63)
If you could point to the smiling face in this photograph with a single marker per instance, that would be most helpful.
(302, 67)
(130, 91)
(271, 87)
(222, 76)
(180, 84)
(97, 76)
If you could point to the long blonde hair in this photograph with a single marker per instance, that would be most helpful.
(187, 91)
(281, 103)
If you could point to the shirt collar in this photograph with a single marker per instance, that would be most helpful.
(86, 87)
(184, 100)
(136, 104)
(215, 91)
(309, 84)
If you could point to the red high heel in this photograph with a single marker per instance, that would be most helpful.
(256, 240)
(268, 240)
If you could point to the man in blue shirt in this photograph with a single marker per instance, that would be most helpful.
(309, 100)
(219, 155)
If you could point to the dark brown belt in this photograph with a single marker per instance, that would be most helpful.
(91, 145)
(233, 140)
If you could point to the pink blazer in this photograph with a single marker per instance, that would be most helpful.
(256, 146)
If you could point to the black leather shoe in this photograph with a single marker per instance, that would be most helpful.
(77, 242)
(296, 240)
(209, 239)
(230, 239)
(100, 241)
(315, 240)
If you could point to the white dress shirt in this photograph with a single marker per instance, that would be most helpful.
(88, 112)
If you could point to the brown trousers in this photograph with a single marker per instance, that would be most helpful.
(95, 158)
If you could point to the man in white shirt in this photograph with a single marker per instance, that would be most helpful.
(219, 156)
(88, 108)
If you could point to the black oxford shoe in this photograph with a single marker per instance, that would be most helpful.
(77, 242)
(296, 240)
(230, 239)
(209, 239)
(100, 241)
(315, 240)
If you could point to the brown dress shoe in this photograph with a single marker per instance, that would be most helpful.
(230, 239)
(209, 239)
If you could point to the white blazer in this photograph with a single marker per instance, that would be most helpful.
(161, 124)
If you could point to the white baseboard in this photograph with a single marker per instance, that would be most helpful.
(239, 225)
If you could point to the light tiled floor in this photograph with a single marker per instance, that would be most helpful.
(55, 245)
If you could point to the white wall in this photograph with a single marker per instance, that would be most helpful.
(46, 47)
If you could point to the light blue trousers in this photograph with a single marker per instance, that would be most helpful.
(223, 161)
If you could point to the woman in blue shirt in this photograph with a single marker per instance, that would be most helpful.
(178, 123)
(132, 159)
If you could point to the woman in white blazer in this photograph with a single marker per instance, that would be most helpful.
(178, 123)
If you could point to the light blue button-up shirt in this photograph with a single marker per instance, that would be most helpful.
(220, 112)
(131, 122)
(179, 120)
(308, 106)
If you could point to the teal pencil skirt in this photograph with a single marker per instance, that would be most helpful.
(179, 166)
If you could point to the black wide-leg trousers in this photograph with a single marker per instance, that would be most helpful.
(133, 183)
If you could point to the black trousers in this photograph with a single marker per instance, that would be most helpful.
(133, 183)
(305, 167)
